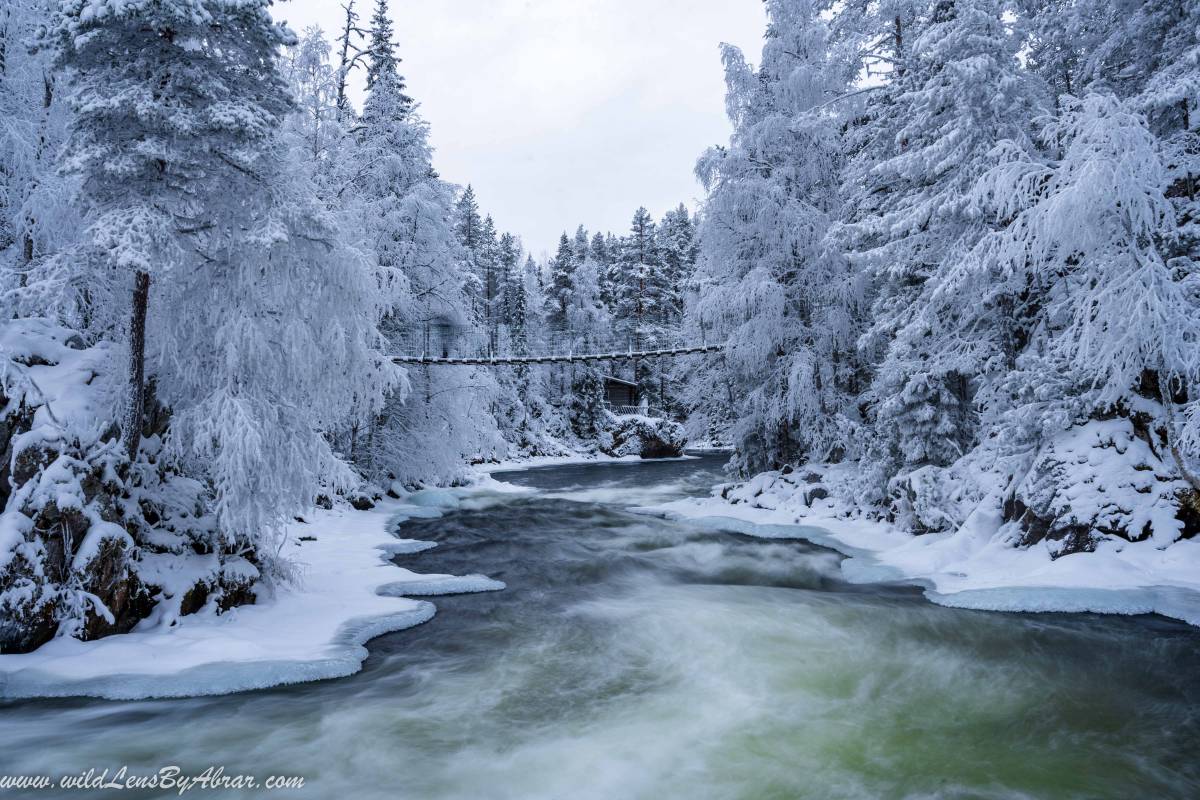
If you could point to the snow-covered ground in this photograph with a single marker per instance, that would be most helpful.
(976, 566)
(347, 592)
(513, 464)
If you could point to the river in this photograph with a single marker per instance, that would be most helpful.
(636, 657)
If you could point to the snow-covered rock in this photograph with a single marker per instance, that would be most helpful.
(90, 544)
(1097, 480)
(345, 592)
(647, 437)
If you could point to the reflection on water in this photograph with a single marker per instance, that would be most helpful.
(633, 657)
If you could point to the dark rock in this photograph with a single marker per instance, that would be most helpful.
(229, 592)
(361, 502)
(195, 599)
(1189, 513)
(787, 470)
(324, 502)
(816, 493)
(1038, 527)
(812, 477)
(110, 576)
(28, 626)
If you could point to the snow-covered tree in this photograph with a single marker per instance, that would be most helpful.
(961, 94)
(381, 54)
(639, 281)
(428, 433)
(769, 282)
(37, 216)
(561, 288)
(257, 324)
(1081, 264)
(677, 248)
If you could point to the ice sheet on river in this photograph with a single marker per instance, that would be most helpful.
(972, 567)
(348, 593)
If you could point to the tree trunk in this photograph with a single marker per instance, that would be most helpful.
(344, 65)
(135, 411)
(898, 45)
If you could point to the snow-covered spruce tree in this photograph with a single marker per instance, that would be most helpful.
(146, 126)
(562, 285)
(427, 433)
(508, 264)
(678, 249)
(468, 225)
(1107, 344)
(1147, 52)
(599, 250)
(768, 281)
(259, 324)
(487, 262)
(643, 302)
(590, 327)
(640, 280)
(961, 93)
(381, 57)
(581, 244)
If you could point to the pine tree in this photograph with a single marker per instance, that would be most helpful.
(582, 244)
(562, 285)
(509, 263)
(677, 244)
(382, 61)
(638, 281)
(468, 222)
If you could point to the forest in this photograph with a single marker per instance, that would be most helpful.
(947, 260)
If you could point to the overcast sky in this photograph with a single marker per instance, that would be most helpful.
(565, 111)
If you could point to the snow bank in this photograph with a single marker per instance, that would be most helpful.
(513, 464)
(518, 464)
(977, 566)
(347, 593)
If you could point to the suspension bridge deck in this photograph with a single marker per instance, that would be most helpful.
(556, 358)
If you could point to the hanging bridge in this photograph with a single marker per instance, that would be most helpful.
(455, 345)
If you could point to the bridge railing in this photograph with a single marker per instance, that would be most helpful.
(641, 411)
(443, 341)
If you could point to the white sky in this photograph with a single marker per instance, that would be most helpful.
(563, 112)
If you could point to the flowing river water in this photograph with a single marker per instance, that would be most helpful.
(635, 657)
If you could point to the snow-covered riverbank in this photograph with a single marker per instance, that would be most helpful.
(347, 592)
(976, 567)
(514, 464)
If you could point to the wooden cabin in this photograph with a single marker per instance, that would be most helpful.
(618, 392)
